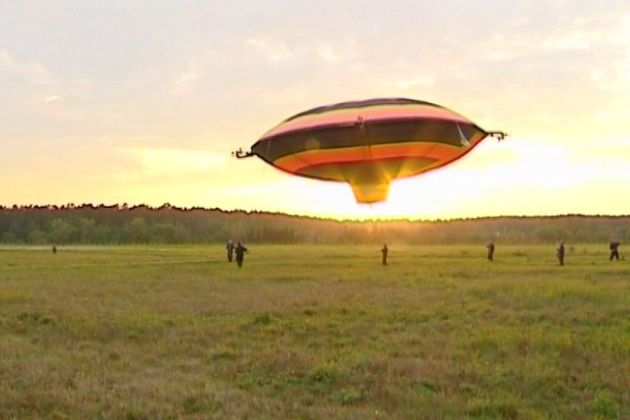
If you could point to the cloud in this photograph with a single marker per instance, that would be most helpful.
(329, 53)
(28, 85)
(620, 36)
(573, 40)
(339, 51)
(33, 73)
(417, 81)
(176, 162)
(49, 99)
(609, 155)
(272, 50)
(185, 81)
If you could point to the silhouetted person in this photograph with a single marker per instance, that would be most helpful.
(230, 250)
(54, 248)
(490, 247)
(560, 253)
(614, 250)
(240, 253)
(384, 251)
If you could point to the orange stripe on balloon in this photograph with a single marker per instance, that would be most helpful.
(428, 151)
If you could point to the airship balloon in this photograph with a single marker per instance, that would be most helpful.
(368, 144)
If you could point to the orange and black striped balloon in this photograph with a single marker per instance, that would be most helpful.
(369, 143)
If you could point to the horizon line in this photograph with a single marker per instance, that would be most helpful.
(127, 207)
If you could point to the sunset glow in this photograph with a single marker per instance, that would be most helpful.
(109, 103)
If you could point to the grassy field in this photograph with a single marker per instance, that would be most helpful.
(316, 332)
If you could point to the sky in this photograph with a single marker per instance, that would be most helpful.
(142, 101)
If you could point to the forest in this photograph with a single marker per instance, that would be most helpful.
(141, 224)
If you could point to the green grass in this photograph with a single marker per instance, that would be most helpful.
(314, 332)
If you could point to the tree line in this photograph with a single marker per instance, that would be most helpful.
(123, 224)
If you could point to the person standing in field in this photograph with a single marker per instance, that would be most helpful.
(230, 250)
(384, 252)
(240, 253)
(490, 247)
(560, 253)
(614, 250)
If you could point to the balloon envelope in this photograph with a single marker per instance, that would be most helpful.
(368, 143)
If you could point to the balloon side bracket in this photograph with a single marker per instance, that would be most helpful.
(499, 135)
(241, 154)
